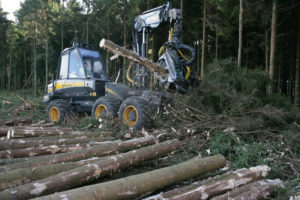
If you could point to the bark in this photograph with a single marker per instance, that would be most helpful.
(215, 186)
(132, 56)
(133, 186)
(297, 78)
(101, 150)
(21, 144)
(22, 176)
(16, 121)
(88, 173)
(240, 34)
(273, 43)
(203, 39)
(254, 191)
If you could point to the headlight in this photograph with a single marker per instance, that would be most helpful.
(46, 99)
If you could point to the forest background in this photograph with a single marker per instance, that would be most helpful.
(255, 34)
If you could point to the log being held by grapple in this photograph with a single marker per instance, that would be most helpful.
(134, 186)
(82, 175)
(132, 56)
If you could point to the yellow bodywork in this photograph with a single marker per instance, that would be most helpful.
(66, 84)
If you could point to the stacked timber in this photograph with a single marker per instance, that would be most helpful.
(46, 162)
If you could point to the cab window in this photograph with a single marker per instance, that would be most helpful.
(64, 62)
(76, 68)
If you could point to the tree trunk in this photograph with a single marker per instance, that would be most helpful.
(266, 48)
(215, 186)
(203, 39)
(88, 173)
(273, 44)
(217, 37)
(34, 66)
(257, 190)
(107, 54)
(22, 144)
(125, 41)
(9, 72)
(25, 68)
(22, 176)
(87, 28)
(100, 150)
(240, 34)
(297, 71)
(46, 64)
(62, 26)
(132, 56)
(134, 186)
(198, 56)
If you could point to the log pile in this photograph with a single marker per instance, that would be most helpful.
(47, 162)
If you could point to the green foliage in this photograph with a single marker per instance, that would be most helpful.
(83, 122)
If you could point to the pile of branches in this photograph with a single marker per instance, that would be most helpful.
(234, 101)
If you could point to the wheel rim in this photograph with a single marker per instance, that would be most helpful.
(128, 114)
(54, 114)
(101, 110)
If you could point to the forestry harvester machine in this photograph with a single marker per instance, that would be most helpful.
(83, 84)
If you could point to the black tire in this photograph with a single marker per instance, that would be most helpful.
(135, 112)
(57, 110)
(106, 107)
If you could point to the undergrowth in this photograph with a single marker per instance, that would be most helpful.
(21, 104)
(233, 115)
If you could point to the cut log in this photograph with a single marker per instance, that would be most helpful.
(133, 186)
(25, 175)
(132, 56)
(34, 132)
(23, 133)
(75, 135)
(106, 148)
(215, 186)
(15, 121)
(21, 143)
(254, 191)
(37, 151)
(88, 173)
